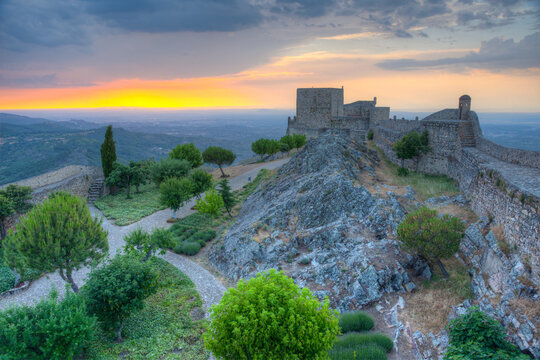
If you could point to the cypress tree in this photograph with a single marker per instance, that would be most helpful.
(108, 152)
(228, 198)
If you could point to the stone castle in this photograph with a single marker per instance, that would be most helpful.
(502, 184)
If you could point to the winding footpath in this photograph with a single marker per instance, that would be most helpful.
(210, 288)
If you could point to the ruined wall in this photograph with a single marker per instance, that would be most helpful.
(379, 114)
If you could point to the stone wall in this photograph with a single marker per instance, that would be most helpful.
(513, 156)
(316, 106)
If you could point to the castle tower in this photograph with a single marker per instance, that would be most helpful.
(464, 107)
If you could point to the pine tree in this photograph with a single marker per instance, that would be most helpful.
(228, 198)
(108, 152)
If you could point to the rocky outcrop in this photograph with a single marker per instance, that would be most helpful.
(319, 224)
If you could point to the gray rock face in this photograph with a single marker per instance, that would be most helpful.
(321, 226)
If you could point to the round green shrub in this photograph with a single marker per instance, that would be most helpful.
(7, 278)
(189, 248)
(365, 352)
(352, 340)
(49, 330)
(355, 321)
(370, 134)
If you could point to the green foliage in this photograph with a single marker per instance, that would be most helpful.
(478, 336)
(175, 192)
(6, 209)
(299, 140)
(144, 245)
(287, 143)
(219, 156)
(412, 145)
(117, 289)
(269, 317)
(58, 234)
(430, 236)
(19, 197)
(201, 180)
(164, 328)
(187, 152)
(370, 134)
(50, 330)
(7, 278)
(352, 340)
(270, 147)
(225, 192)
(108, 152)
(125, 176)
(188, 248)
(211, 204)
(355, 321)
(168, 168)
(364, 352)
(402, 171)
(126, 211)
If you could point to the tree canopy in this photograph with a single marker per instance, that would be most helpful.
(13, 199)
(168, 168)
(201, 180)
(108, 152)
(412, 145)
(175, 192)
(140, 242)
(270, 317)
(59, 233)
(125, 176)
(228, 197)
(430, 236)
(211, 204)
(187, 152)
(219, 156)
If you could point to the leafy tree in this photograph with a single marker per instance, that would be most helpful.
(228, 198)
(475, 335)
(370, 134)
(270, 317)
(147, 166)
(219, 156)
(116, 290)
(187, 152)
(19, 196)
(108, 152)
(411, 146)
(175, 192)
(140, 242)
(430, 236)
(13, 199)
(259, 147)
(299, 140)
(201, 180)
(51, 329)
(140, 173)
(6, 210)
(125, 176)
(287, 143)
(169, 168)
(58, 234)
(211, 203)
(272, 147)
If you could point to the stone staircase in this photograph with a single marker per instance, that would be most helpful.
(466, 134)
(96, 189)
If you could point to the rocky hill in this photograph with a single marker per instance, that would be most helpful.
(323, 227)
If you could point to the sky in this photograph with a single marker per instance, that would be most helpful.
(412, 55)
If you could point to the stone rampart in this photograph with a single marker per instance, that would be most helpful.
(513, 156)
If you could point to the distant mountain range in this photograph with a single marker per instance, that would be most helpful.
(32, 146)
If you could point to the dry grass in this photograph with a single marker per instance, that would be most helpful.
(461, 212)
(503, 244)
(428, 308)
(528, 307)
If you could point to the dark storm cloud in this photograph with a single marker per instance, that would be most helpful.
(42, 23)
(155, 16)
(495, 54)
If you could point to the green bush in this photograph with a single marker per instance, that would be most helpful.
(270, 317)
(367, 352)
(402, 171)
(370, 134)
(50, 330)
(355, 321)
(7, 278)
(188, 248)
(352, 340)
(114, 291)
(478, 336)
(167, 168)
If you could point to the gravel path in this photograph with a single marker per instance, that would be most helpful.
(210, 288)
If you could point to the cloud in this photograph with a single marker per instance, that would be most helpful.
(495, 54)
(362, 35)
(48, 80)
(156, 16)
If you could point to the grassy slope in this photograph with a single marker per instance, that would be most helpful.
(164, 328)
(126, 211)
